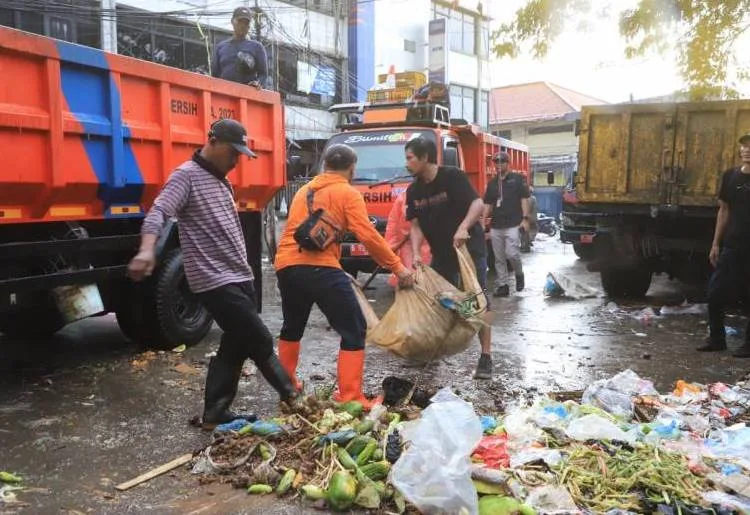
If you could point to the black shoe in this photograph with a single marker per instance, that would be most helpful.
(221, 388)
(713, 346)
(743, 352)
(501, 291)
(520, 282)
(277, 377)
(484, 367)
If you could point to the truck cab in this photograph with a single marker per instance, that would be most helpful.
(378, 133)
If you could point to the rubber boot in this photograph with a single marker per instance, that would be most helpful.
(222, 381)
(351, 364)
(289, 357)
(277, 377)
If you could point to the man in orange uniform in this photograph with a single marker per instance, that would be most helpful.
(308, 277)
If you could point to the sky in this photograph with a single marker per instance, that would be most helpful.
(592, 63)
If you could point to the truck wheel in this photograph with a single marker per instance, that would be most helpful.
(182, 318)
(626, 282)
(585, 252)
(167, 316)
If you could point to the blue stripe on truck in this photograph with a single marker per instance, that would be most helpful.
(94, 99)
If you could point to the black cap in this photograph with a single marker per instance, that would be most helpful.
(231, 131)
(501, 157)
(242, 13)
(745, 139)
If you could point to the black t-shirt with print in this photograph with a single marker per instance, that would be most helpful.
(441, 206)
(506, 208)
(735, 191)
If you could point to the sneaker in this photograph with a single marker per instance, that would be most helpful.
(484, 367)
(712, 346)
(520, 282)
(501, 291)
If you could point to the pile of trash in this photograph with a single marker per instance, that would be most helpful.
(619, 447)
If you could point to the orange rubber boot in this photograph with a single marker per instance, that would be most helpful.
(351, 364)
(289, 356)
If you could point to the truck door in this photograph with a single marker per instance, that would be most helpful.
(705, 146)
(625, 152)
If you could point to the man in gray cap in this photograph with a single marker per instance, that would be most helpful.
(507, 202)
(730, 252)
(240, 59)
(199, 195)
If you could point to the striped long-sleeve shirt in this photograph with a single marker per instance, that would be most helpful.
(211, 237)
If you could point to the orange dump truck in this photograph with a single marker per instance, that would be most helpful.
(379, 132)
(89, 139)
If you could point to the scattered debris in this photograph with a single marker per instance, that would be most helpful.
(184, 368)
(177, 462)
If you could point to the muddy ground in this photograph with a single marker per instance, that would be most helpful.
(87, 410)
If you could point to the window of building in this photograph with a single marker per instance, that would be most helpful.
(410, 46)
(462, 30)
(56, 19)
(463, 103)
(323, 6)
(484, 39)
(484, 109)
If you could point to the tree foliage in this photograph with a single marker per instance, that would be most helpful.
(704, 34)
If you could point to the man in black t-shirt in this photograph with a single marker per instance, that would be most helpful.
(507, 202)
(730, 252)
(443, 207)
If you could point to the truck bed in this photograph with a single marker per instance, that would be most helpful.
(90, 135)
(658, 154)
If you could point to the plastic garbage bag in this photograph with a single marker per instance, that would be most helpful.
(725, 500)
(631, 383)
(562, 286)
(612, 401)
(434, 319)
(434, 472)
(685, 309)
(594, 427)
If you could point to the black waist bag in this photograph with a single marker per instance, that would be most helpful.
(318, 231)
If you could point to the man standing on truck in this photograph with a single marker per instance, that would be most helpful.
(444, 208)
(199, 195)
(310, 276)
(240, 59)
(730, 252)
(507, 201)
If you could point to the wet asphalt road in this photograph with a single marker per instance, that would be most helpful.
(88, 410)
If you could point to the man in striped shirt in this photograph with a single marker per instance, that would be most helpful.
(199, 195)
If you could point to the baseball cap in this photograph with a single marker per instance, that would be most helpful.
(745, 139)
(501, 157)
(242, 13)
(231, 131)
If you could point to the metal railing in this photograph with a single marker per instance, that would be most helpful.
(284, 196)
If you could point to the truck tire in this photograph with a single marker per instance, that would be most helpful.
(631, 283)
(169, 314)
(584, 252)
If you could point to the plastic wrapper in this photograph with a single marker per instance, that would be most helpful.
(434, 472)
(594, 427)
(552, 500)
(529, 455)
(727, 501)
(493, 451)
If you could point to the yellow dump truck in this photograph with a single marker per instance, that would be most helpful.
(645, 193)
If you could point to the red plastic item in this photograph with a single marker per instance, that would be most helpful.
(493, 452)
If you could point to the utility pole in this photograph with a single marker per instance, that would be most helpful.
(108, 24)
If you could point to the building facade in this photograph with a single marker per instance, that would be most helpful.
(542, 116)
(306, 41)
(448, 41)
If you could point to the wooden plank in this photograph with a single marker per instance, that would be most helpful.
(177, 462)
